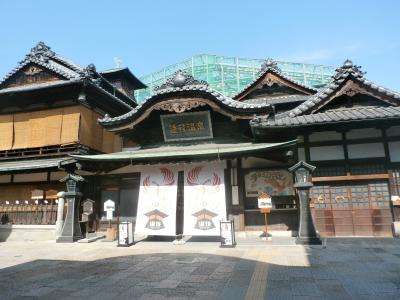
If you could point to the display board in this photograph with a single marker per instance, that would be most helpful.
(156, 214)
(125, 234)
(271, 182)
(204, 194)
(227, 234)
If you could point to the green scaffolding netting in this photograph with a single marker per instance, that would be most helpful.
(229, 75)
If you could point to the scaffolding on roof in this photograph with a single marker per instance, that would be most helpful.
(229, 75)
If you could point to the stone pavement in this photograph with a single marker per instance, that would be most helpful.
(346, 269)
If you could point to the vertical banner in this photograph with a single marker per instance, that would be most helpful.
(204, 196)
(156, 213)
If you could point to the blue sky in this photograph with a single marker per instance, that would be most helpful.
(148, 35)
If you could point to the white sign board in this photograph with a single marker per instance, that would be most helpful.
(109, 205)
(204, 195)
(109, 208)
(125, 233)
(227, 234)
(156, 213)
(264, 203)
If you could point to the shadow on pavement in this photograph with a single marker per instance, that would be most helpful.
(347, 271)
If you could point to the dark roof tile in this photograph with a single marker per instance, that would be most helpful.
(333, 116)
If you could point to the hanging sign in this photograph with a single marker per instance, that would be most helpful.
(272, 182)
(204, 195)
(187, 126)
(264, 201)
(156, 214)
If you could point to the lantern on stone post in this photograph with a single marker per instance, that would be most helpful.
(307, 234)
(71, 230)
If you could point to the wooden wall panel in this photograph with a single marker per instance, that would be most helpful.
(85, 130)
(117, 143)
(108, 142)
(97, 132)
(6, 132)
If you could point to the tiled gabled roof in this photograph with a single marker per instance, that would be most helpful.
(271, 66)
(43, 56)
(362, 113)
(348, 70)
(180, 83)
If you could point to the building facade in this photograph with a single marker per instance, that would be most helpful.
(189, 156)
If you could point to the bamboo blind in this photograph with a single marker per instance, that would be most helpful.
(21, 131)
(61, 126)
(6, 131)
(70, 125)
(54, 127)
(37, 126)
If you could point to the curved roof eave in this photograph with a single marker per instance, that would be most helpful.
(192, 88)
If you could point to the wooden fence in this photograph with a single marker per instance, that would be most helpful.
(29, 214)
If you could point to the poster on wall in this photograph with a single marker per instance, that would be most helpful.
(156, 213)
(204, 195)
(271, 182)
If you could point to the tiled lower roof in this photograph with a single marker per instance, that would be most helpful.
(185, 151)
(33, 164)
(333, 116)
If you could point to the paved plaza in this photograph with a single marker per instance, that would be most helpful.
(345, 269)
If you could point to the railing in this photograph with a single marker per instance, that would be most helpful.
(29, 214)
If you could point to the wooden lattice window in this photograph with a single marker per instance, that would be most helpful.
(379, 194)
(360, 196)
(373, 194)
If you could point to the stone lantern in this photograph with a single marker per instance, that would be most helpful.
(71, 230)
(306, 232)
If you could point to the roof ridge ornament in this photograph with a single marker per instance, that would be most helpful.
(91, 73)
(180, 79)
(348, 68)
(270, 64)
(40, 52)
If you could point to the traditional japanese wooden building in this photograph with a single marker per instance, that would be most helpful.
(192, 130)
(49, 108)
(350, 131)
(189, 156)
